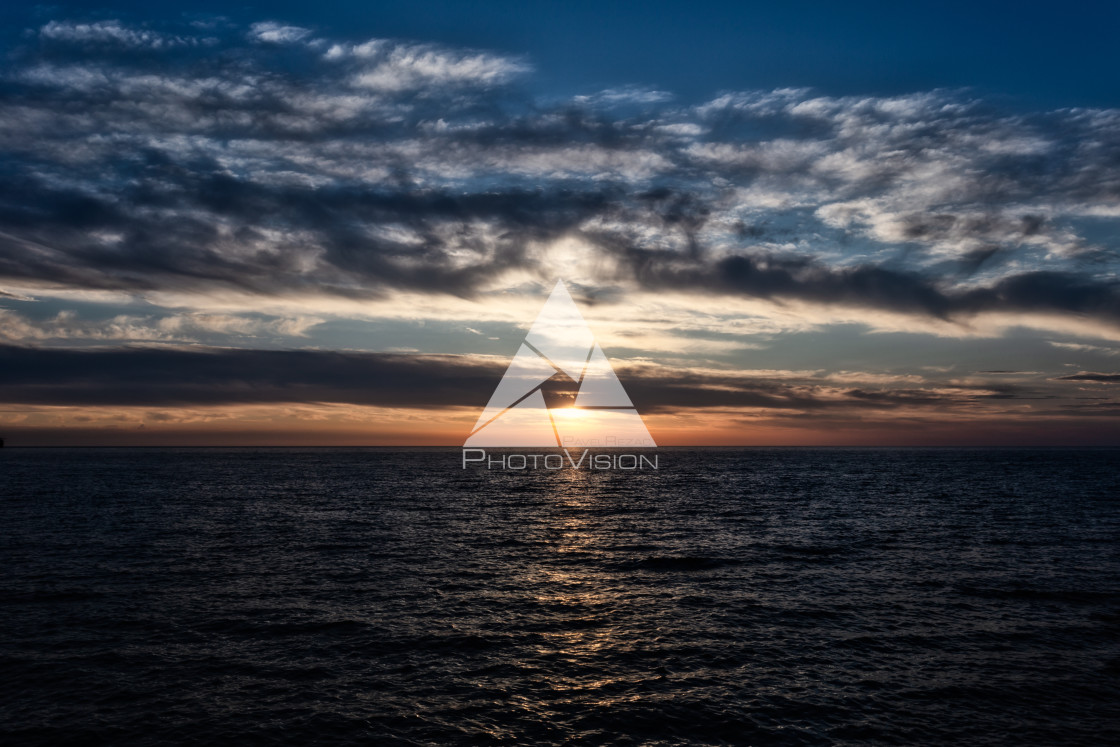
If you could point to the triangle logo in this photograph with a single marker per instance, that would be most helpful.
(560, 390)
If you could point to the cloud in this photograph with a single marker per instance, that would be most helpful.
(1099, 378)
(887, 289)
(115, 34)
(624, 96)
(170, 377)
(419, 67)
(165, 376)
(304, 166)
(276, 33)
(1083, 348)
(67, 326)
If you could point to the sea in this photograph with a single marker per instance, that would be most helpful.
(758, 596)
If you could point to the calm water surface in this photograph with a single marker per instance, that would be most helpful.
(735, 596)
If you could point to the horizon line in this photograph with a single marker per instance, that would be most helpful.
(545, 448)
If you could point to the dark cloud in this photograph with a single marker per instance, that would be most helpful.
(1048, 291)
(169, 377)
(656, 389)
(487, 232)
(776, 277)
(274, 161)
(1101, 378)
(166, 377)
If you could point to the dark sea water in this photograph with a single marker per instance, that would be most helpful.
(734, 596)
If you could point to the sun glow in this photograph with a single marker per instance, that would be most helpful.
(569, 413)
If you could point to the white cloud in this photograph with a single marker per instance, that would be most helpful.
(275, 33)
(116, 33)
(186, 327)
(386, 168)
(622, 96)
(413, 67)
(1083, 348)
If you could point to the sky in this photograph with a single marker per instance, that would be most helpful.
(333, 223)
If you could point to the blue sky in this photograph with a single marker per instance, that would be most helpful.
(1041, 54)
(813, 223)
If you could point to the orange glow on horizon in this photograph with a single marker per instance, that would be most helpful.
(344, 425)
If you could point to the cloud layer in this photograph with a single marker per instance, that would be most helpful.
(140, 377)
(277, 162)
(172, 195)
